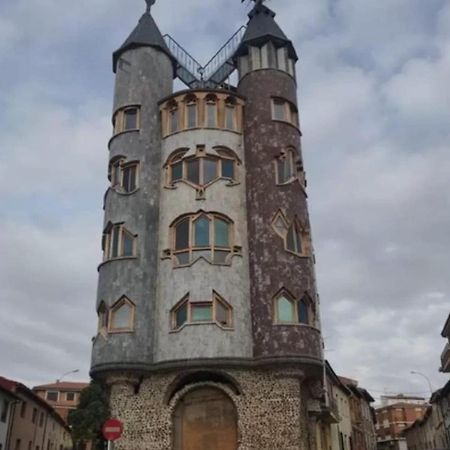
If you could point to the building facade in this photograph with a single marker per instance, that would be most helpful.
(445, 356)
(7, 401)
(34, 424)
(62, 396)
(397, 414)
(209, 325)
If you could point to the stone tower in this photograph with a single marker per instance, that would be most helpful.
(209, 330)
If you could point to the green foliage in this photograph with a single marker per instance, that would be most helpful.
(92, 412)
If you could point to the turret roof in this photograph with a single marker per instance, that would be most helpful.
(146, 34)
(262, 28)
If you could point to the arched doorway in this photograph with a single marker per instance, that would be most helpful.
(205, 419)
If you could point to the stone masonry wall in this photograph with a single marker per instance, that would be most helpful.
(271, 409)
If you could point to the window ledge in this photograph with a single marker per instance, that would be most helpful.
(124, 194)
(134, 130)
(229, 183)
(122, 258)
(222, 327)
(298, 255)
(120, 331)
(296, 325)
(288, 123)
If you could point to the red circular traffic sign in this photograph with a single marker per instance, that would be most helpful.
(112, 429)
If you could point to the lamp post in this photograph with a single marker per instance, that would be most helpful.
(426, 378)
(67, 373)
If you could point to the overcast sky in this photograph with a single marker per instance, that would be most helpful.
(375, 110)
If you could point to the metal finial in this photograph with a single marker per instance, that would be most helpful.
(149, 5)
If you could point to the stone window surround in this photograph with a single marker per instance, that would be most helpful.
(107, 243)
(123, 164)
(305, 297)
(182, 155)
(178, 102)
(103, 318)
(115, 307)
(118, 119)
(302, 232)
(216, 298)
(290, 112)
(170, 253)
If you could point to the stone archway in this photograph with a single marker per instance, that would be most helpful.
(205, 419)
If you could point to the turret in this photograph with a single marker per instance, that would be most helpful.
(285, 314)
(127, 276)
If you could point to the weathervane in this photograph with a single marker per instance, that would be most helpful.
(149, 5)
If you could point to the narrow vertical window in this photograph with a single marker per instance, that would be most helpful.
(182, 235)
(173, 119)
(209, 170)
(193, 171)
(211, 111)
(279, 109)
(293, 241)
(303, 312)
(230, 115)
(128, 243)
(131, 119)
(118, 242)
(181, 315)
(201, 232)
(221, 233)
(102, 317)
(228, 168)
(129, 178)
(115, 242)
(191, 112)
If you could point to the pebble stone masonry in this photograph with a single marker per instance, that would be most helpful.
(188, 379)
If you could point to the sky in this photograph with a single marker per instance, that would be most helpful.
(374, 107)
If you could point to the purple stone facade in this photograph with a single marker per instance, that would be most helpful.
(272, 268)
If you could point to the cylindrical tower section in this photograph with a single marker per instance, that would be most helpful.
(203, 310)
(128, 274)
(284, 303)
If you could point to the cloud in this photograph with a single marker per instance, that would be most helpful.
(374, 111)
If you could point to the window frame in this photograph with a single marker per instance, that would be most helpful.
(131, 319)
(117, 167)
(108, 242)
(119, 120)
(191, 101)
(290, 111)
(103, 317)
(287, 157)
(303, 234)
(211, 100)
(191, 248)
(191, 305)
(52, 392)
(296, 309)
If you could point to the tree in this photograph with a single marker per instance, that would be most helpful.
(86, 421)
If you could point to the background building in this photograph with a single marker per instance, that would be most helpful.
(35, 425)
(396, 414)
(7, 401)
(62, 396)
(209, 324)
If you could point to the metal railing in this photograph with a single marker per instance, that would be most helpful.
(215, 72)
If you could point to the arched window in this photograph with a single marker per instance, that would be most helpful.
(286, 170)
(294, 235)
(216, 310)
(122, 316)
(201, 170)
(191, 111)
(211, 111)
(118, 242)
(102, 313)
(284, 309)
(230, 113)
(203, 235)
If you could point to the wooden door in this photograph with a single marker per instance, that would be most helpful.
(205, 419)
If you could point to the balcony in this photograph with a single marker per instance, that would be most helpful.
(445, 359)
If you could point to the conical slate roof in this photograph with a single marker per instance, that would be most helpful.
(146, 34)
(262, 28)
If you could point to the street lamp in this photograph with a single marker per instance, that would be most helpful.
(67, 373)
(426, 378)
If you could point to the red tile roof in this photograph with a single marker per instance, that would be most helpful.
(63, 386)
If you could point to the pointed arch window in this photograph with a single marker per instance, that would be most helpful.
(295, 236)
(287, 310)
(118, 242)
(284, 111)
(216, 310)
(173, 117)
(203, 235)
(122, 316)
(203, 169)
(286, 170)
